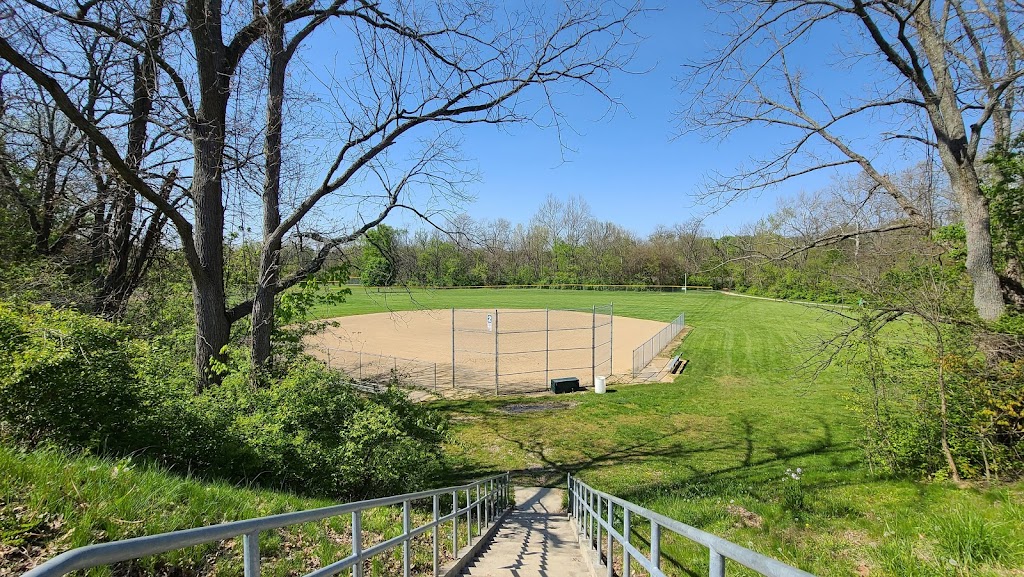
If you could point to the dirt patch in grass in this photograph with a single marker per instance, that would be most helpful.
(521, 408)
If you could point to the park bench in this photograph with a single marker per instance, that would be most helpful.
(676, 365)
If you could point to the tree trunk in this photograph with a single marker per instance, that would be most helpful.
(213, 327)
(270, 255)
(988, 294)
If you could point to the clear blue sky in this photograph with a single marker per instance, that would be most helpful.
(629, 167)
(630, 164)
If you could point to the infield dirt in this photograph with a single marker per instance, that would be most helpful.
(421, 339)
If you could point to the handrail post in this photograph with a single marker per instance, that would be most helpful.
(716, 564)
(479, 510)
(251, 554)
(625, 550)
(598, 526)
(407, 544)
(655, 544)
(436, 544)
(455, 524)
(469, 520)
(611, 520)
(357, 542)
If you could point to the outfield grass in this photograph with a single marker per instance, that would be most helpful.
(712, 449)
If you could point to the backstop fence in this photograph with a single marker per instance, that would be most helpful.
(499, 351)
(524, 349)
(645, 353)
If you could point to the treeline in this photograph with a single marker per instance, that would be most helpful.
(563, 244)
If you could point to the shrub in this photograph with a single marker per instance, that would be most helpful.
(79, 382)
(68, 379)
(310, 431)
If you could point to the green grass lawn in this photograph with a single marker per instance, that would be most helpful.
(712, 449)
(51, 502)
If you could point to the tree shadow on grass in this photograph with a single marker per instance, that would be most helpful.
(744, 469)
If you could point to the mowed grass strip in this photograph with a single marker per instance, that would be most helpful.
(713, 448)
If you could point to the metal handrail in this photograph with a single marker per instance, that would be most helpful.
(495, 498)
(587, 503)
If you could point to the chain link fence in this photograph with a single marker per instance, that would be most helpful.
(497, 351)
(522, 350)
(645, 353)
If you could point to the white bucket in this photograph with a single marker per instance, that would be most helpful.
(599, 385)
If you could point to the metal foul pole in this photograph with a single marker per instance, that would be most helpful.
(547, 345)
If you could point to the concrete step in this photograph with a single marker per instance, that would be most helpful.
(536, 540)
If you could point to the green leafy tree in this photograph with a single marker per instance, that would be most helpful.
(379, 251)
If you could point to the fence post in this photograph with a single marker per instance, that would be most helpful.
(625, 533)
(455, 524)
(547, 346)
(611, 340)
(453, 347)
(655, 544)
(593, 346)
(469, 521)
(611, 542)
(496, 392)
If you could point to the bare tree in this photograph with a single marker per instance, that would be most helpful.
(943, 75)
(418, 67)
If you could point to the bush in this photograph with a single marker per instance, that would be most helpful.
(312, 432)
(67, 379)
(79, 382)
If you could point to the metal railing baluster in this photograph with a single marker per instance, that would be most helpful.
(455, 523)
(251, 554)
(594, 513)
(716, 564)
(611, 519)
(406, 545)
(434, 531)
(357, 543)
(655, 544)
(626, 570)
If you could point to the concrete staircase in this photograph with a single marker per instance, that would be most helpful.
(535, 540)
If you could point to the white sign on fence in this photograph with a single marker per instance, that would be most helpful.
(490, 322)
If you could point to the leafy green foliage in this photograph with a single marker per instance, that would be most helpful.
(67, 378)
(378, 259)
(78, 382)
(312, 432)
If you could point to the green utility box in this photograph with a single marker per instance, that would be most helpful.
(565, 385)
